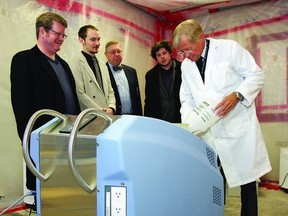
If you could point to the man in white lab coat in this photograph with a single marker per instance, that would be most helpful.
(225, 72)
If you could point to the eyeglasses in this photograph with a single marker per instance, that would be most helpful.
(113, 52)
(185, 52)
(64, 36)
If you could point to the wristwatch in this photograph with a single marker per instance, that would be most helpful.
(239, 96)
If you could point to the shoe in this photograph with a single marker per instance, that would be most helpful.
(30, 206)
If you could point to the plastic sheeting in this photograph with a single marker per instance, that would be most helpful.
(262, 28)
(116, 20)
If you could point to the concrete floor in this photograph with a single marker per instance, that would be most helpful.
(270, 203)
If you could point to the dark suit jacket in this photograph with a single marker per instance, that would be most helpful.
(152, 107)
(131, 76)
(35, 86)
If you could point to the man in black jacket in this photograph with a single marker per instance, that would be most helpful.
(124, 81)
(163, 85)
(40, 79)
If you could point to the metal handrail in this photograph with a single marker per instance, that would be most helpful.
(26, 138)
(71, 148)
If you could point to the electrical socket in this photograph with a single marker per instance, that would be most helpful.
(116, 201)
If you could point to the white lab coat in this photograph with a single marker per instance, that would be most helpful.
(237, 137)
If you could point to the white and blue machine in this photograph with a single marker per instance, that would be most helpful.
(126, 166)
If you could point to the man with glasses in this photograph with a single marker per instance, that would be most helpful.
(124, 81)
(40, 79)
(229, 75)
(94, 87)
(163, 84)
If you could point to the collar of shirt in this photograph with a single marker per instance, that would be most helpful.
(56, 61)
(115, 68)
(88, 57)
(203, 52)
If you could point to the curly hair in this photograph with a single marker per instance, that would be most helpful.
(160, 44)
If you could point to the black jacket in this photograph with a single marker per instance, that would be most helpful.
(152, 107)
(132, 78)
(35, 86)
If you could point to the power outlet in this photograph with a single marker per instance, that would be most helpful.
(116, 201)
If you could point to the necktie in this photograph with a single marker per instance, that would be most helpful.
(97, 72)
(199, 63)
(201, 66)
(117, 68)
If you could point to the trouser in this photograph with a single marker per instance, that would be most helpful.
(224, 178)
(249, 201)
(30, 180)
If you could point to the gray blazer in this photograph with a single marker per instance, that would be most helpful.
(89, 93)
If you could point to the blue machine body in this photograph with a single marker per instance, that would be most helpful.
(165, 170)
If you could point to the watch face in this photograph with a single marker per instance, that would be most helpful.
(240, 96)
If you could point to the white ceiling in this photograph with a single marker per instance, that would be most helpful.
(184, 9)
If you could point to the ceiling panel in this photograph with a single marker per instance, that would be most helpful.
(184, 9)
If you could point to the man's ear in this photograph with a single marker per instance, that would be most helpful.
(81, 40)
(42, 31)
(201, 36)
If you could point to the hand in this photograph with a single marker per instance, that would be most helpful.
(226, 105)
(108, 110)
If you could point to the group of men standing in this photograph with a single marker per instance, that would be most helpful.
(41, 79)
(114, 87)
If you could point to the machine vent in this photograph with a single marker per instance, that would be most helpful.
(211, 157)
(216, 195)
